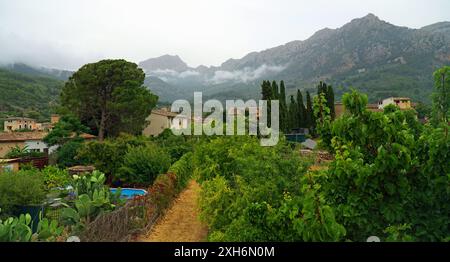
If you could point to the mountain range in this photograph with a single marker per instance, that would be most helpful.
(367, 53)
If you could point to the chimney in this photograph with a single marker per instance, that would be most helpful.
(54, 119)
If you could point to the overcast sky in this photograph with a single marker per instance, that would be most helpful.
(68, 33)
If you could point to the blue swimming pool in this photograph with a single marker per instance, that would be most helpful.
(130, 192)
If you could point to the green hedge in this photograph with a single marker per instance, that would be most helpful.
(183, 170)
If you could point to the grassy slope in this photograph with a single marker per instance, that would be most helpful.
(27, 95)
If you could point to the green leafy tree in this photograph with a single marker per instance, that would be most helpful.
(388, 171)
(323, 119)
(441, 97)
(109, 97)
(327, 91)
(68, 127)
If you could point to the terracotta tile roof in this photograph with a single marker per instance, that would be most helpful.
(6, 161)
(20, 118)
(398, 98)
(37, 135)
(164, 113)
(87, 136)
(21, 136)
(373, 106)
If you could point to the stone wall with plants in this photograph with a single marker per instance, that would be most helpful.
(141, 213)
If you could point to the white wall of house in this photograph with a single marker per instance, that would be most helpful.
(403, 103)
(52, 149)
(39, 145)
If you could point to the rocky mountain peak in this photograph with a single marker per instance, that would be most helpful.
(165, 62)
(368, 21)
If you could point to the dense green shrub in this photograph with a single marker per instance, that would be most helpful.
(55, 177)
(142, 164)
(254, 193)
(21, 188)
(183, 170)
(176, 146)
(66, 155)
(108, 156)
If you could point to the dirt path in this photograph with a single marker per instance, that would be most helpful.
(180, 223)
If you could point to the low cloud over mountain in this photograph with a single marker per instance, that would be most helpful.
(377, 57)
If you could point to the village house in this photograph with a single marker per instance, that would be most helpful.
(17, 123)
(161, 119)
(33, 141)
(12, 124)
(403, 103)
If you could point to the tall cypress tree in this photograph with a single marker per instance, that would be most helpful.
(267, 95)
(330, 102)
(283, 107)
(322, 89)
(293, 123)
(301, 110)
(275, 92)
(266, 90)
(309, 111)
